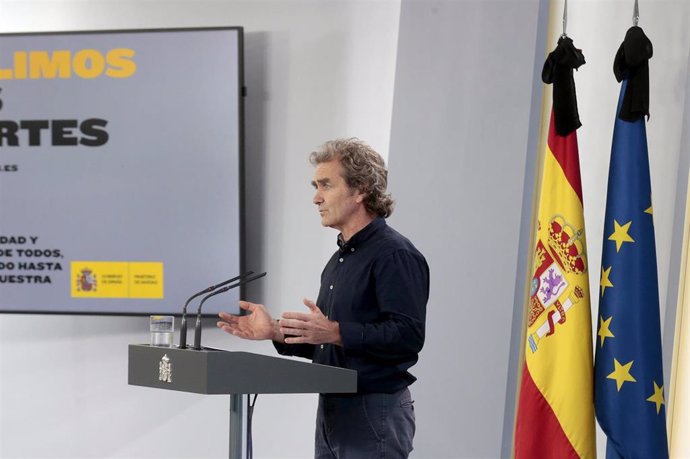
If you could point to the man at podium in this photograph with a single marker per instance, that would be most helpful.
(369, 315)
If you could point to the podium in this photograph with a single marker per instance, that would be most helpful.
(215, 371)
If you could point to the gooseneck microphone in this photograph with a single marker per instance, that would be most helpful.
(183, 324)
(197, 331)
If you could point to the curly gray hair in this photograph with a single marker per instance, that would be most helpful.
(363, 169)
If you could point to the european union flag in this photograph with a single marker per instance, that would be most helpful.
(629, 386)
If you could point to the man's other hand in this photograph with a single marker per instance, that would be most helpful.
(311, 327)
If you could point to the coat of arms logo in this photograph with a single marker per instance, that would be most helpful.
(559, 262)
(87, 281)
(165, 369)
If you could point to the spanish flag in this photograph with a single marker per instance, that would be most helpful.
(555, 416)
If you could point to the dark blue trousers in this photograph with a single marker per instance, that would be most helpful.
(365, 426)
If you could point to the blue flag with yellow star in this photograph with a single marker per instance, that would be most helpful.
(629, 386)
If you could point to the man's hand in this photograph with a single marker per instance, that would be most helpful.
(256, 325)
(311, 327)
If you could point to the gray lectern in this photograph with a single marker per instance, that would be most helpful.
(214, 371)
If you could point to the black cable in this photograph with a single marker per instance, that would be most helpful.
(250, 413)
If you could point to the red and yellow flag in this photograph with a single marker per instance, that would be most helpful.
(555, 416)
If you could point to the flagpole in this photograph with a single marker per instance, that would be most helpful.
(565, 18)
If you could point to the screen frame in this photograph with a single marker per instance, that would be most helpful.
(241, 95)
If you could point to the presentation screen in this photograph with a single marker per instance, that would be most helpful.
(120, 179)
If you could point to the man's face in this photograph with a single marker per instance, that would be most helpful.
(337, 202)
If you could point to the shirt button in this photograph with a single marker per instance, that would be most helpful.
(340, 260)
(330, 287)
(322, 346)
(352, 249)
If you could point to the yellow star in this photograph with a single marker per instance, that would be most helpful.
(621, 373)
(605, 281)
(657, 397)
(604, 331)
(620, 234)
(650, 210)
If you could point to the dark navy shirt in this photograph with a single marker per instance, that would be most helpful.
(376, 287)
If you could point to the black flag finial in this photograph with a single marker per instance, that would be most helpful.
(632, 63)
(558, 70)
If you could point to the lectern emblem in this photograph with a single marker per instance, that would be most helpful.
(165, 369)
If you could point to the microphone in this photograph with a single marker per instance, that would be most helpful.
(197, 332)
(183, 325)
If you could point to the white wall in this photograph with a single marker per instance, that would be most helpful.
(460, 152)
(314, 70)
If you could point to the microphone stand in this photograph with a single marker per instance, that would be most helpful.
(197, 332)
(183, 324)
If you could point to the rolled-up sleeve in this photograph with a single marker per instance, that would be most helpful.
(297, 350)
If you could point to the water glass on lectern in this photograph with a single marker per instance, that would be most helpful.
(162, 329)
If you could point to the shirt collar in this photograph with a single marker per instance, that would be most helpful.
(362, 235)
